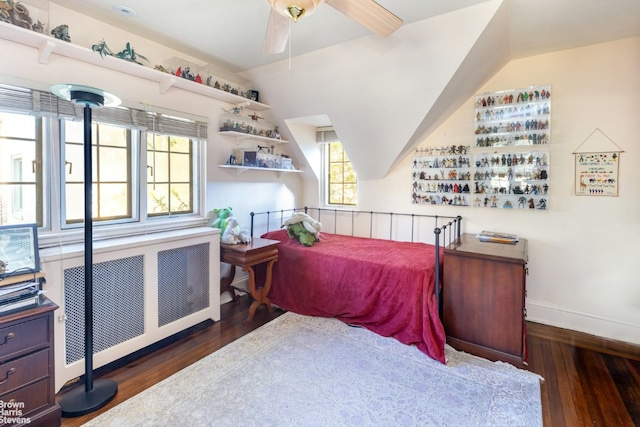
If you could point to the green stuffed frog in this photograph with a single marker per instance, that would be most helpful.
(220, 217)
(304, 228)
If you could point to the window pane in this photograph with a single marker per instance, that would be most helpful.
(113, 136)
(112, 156)
(158, 199)
(180, 145)
(335, 193)
(113, 200)
(180, 198)
(74, 197)
(170, 189)
(160, 166)
(336, 172)
(180, 168)
(342, 182)
(112, 172)
(20, 169)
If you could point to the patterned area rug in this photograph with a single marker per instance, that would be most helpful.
(306, 371)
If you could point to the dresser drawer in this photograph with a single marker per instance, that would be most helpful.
(26, 401)
(24, 337)
(18, 372)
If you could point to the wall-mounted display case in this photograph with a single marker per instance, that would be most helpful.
(442, 176)
(511, 180)
(513, 117)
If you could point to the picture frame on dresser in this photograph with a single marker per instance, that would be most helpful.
(19, 250)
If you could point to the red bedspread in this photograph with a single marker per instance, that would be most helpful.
(385, 286)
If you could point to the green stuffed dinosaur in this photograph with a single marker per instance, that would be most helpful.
(304, 228)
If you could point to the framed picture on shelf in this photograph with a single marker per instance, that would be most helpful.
(19, 250)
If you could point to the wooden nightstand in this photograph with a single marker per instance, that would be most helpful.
(246, 256)
(484, 287)
(27, 365)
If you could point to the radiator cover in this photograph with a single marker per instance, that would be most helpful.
(145, 288)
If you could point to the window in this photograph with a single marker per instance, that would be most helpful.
(342, 183)
(112, 156)
(146, 165)
(169, 174)
(20, 187)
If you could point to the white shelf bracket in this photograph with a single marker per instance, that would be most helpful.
(44, 51)
(165, 84)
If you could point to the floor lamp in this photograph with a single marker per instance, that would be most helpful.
(95, 394)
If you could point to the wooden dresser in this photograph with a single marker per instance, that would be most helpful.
(484, 287)
(27, 366)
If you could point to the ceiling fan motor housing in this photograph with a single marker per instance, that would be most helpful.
(295, 9)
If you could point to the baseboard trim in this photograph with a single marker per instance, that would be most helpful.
(596, 327)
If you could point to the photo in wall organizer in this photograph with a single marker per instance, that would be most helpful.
(516, 117)
(441, 176)
(511, 180)
(597, 174)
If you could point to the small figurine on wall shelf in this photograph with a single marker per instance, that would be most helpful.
(129, 54)
(61, 32)
(102, 48)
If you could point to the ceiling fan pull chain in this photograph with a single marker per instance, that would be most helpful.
(290, 41)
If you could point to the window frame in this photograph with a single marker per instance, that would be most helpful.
(326, 177)
(50, 113)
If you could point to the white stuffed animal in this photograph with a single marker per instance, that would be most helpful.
(233, 234)
(304, 228)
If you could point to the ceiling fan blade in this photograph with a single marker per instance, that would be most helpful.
(275, 39)
(369, 14)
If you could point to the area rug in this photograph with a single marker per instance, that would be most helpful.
(307, 371)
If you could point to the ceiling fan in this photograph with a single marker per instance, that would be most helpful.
(368, 13)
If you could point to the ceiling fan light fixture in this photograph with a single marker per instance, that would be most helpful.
(295, 9)
(296, 12)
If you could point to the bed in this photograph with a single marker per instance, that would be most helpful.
(385, 284)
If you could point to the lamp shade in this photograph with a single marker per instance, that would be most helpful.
(85, 95)
(295, 9)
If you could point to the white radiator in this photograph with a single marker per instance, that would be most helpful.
(145, 288)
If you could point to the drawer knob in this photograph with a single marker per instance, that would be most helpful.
(6, 378)
(9, 336)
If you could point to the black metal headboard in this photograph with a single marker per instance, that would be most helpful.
(371, 224)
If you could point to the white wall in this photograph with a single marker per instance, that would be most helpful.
(583, 250)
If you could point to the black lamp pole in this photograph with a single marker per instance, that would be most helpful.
(94, 395)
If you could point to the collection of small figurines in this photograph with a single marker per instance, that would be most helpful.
(262, 157)
(522, 96)
(128, 53)
(18, 14)
(504, 180)
(186, 73)
(496, 118)
(231, 124)
(439, 170)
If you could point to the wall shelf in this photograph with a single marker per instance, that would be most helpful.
(242, 169)
(239, 136)
(46, 46)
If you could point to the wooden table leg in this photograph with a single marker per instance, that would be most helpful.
(259, 295)
(225, 283)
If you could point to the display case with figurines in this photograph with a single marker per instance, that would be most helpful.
(442, 176)
(518, 180)
(516, 117)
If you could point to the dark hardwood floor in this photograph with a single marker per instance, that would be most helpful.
(588, 381)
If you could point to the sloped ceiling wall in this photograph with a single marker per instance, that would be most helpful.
(383, 95)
